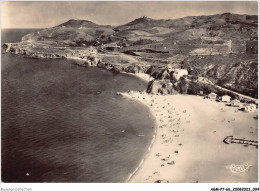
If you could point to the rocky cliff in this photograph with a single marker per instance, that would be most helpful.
(238, 72)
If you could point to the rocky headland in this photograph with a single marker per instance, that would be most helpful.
(189, 55)
(166, 79)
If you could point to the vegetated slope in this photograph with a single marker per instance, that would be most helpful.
(225, 26)
(163, 42)
(238, 72)
(73, 31)
(241, 76)
(79, 23)
(233, 71)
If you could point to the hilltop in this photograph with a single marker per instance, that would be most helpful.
(78, 24)
(71, 32)
(225, 26)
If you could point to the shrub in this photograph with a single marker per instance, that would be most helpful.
(183, 85)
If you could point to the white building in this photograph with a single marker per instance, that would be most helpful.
(225, 98)
(249, 107)
(212, 95)
(235, 103)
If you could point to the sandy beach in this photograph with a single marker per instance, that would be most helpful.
(188, 145)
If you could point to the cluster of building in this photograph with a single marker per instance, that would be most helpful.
(248, 107)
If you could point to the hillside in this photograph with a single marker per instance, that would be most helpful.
(222, 47)
(71, 32)
(78, 23)
(237, 72)
(201, 28)
(224, 26)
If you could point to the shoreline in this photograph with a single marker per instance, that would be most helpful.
(166, 104)
(143, 76)
(178, 127)
(143, 159)
(126, 95)
(85, 62)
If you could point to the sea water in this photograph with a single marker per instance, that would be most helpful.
(65, 123)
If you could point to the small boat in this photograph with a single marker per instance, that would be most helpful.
(140, 135)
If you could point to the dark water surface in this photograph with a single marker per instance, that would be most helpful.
(64, 123)
(15, 35)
